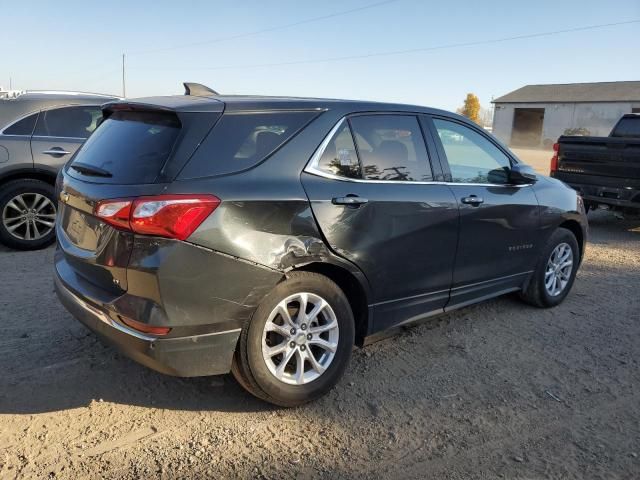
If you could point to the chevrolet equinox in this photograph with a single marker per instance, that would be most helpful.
(203, 234)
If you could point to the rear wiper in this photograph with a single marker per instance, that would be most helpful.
(90, 170)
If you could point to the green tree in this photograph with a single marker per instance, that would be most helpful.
(471, 108)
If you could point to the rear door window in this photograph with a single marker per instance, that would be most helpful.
(391, 147)
(127, 148)
(242, 140)
(339, 156)
(68, 122)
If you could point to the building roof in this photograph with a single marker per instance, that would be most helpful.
(575, 93)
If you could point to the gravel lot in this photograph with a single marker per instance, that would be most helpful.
(496, 390)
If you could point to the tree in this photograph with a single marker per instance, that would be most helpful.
(471, 108)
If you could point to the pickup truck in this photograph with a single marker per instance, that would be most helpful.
(604, 170)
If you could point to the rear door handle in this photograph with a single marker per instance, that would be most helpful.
(473, 200)
(349, 200)
(56, 151)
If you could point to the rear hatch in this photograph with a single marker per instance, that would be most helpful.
(136, 151)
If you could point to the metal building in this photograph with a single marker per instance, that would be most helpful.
(534, 116)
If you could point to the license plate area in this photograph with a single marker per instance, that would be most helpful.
(83, 230)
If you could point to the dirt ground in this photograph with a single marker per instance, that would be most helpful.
(539, 159)
(499, 390)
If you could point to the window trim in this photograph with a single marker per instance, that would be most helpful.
(312, 164)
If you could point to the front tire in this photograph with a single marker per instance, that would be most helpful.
(27, 214)
(298, 342)
(555, 272)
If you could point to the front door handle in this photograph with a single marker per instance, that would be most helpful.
(56, 151)
(473, 200)
(350, 200)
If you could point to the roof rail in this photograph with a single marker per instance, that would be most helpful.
(198, 90)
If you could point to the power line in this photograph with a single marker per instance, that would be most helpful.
(401, 52)
(265, 30)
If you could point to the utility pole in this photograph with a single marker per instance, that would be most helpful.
(10, 84)
(124, 90)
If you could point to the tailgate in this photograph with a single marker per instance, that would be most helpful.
(131, 154)
(600, 157)
(92, 251)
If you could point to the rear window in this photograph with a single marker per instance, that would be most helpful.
(242, 140)
(627, 127)
(128, 147)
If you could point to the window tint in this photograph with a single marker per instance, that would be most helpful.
(628, 127)
(471, 156)
(339, 156)
(242, 140)
(391, 147)
(131, 146)
(22, 127)
(74, 122)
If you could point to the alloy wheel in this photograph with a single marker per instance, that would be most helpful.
(300, 338)
(29, 216)
(559, 268)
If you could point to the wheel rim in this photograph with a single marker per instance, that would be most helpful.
(29, 216)
(559, 268)
(300, 338)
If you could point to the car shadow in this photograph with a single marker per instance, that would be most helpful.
(96, 373)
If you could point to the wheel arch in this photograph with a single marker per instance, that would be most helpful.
(354, 290)
(574, 227)
(29, 174)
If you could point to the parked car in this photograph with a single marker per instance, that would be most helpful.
(604, 170)
(39, 131)
(265, 236)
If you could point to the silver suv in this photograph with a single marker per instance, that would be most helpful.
(39, 132)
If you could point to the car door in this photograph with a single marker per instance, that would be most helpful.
(372, 193)
(60, 132)
(499, 222)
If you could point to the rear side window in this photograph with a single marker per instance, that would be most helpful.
(70, 122)
(129, 147)
(628, 127)
(391, 147)
(22, 127)
(242, 140)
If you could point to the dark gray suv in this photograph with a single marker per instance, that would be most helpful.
(265, 236)
(39, 132)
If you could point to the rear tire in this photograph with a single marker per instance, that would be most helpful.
(550, 282)
(27, 214)
(315, 349)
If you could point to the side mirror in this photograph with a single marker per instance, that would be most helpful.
(498, 176)
(521, 174)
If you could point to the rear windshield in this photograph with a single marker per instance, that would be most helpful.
(128, 147)
(627, 127)
(242, 140)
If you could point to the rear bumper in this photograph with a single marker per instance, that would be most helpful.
(192, 356)
(624, 197)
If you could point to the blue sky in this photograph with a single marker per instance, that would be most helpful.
(78, 45)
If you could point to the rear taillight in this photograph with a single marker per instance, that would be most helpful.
(554, 160)
(171, 216)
